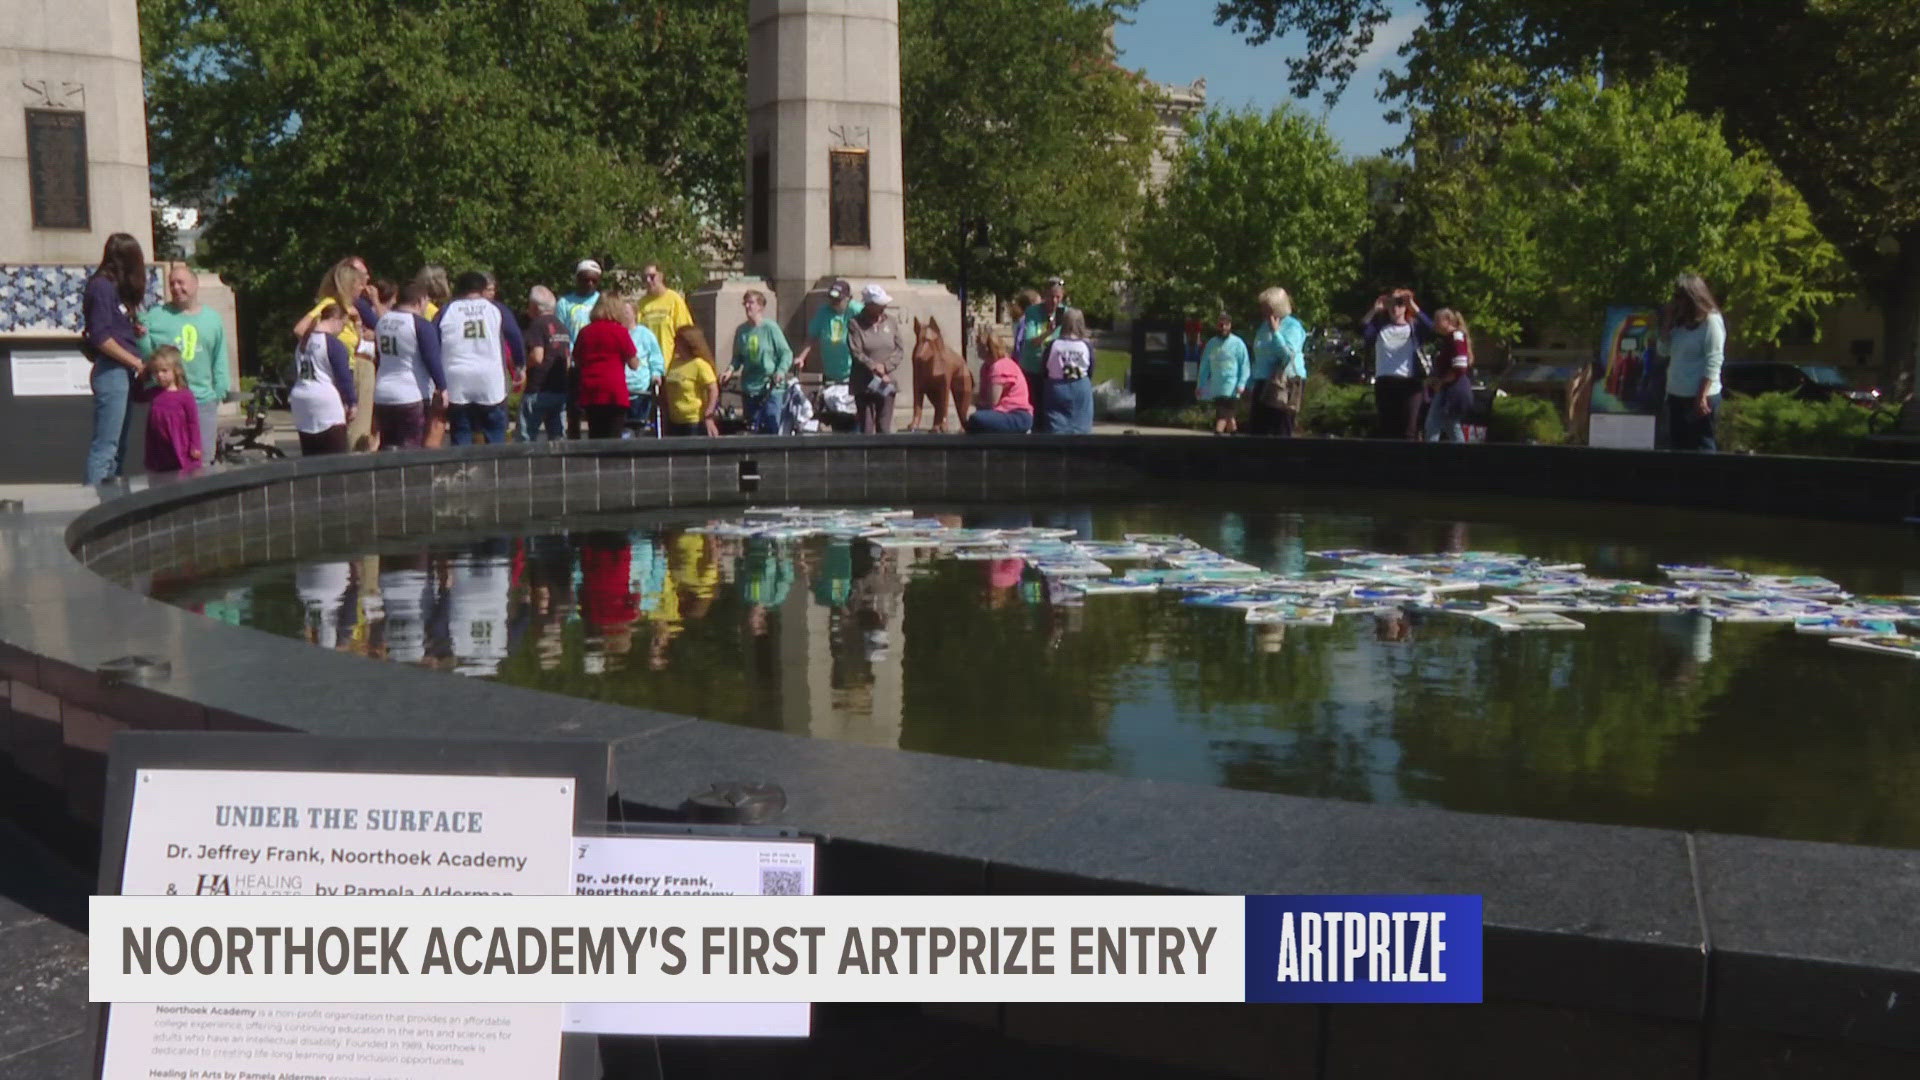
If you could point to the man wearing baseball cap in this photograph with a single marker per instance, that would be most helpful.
(575, 309)
(873, 339)
(827, 337)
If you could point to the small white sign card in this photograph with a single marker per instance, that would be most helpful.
(51, 373)
(692, 865)
(259, 832)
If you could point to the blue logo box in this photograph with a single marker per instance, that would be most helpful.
(1363, 949)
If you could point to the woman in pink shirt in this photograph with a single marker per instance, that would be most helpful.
(1004, 407)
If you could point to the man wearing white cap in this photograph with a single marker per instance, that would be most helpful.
(575, 309)
(873, 339)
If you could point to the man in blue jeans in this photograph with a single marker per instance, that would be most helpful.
(479, 341)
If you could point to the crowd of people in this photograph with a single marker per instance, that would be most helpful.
(437, 361)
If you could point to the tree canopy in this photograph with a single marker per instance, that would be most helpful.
(1828, 89)
(1602, 198)
(1253, 200)
(1014, 114)
(517, 138)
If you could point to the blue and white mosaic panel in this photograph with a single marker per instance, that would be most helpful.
(46, 299)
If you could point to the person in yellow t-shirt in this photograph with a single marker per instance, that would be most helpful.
(692, 393)
(662, 310)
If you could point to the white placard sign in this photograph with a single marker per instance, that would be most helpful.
(237, 832)
(51, 373)
(691, 866)
(1624, 431)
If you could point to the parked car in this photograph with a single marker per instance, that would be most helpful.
(1808, 382)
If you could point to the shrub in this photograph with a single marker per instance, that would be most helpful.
(1345, 411)
(1526, 420)
(1784, 424)
(1195, 417)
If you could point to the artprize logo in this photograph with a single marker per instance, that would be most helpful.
(1363, 948)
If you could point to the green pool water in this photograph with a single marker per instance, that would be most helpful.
(1662, 720)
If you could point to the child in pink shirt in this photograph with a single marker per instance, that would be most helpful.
(173, 423)
(1005, 408)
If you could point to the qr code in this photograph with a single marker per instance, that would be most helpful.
(780, 882)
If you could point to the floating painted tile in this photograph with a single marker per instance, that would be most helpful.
(1891, 644)
(1529, 620)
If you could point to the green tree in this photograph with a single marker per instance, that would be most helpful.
(1601, 198)
(1013, 113)
(1253, 200)
(511, 137)
(1829, 89)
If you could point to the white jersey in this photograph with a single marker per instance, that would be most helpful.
(477, 587)
(404, 596)
(315, 398)
(402, 378)
(473, 351)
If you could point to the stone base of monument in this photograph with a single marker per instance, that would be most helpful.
(716, 307)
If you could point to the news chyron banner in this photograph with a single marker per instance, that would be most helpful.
(772, 948)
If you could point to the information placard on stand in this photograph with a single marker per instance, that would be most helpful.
(692, 860)
(231, 814)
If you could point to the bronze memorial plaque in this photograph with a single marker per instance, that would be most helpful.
(847, 198)
(57, 168)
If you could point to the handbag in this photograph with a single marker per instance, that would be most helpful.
(1273, 393)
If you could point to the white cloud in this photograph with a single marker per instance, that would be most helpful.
(1387, 40)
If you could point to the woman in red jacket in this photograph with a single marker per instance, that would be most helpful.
(601, 354)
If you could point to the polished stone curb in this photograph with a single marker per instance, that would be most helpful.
(1814, 940)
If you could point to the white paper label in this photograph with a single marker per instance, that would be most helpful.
(51, 373)
(691, 866)
(233, 832)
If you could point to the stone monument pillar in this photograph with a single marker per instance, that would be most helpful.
(73, 170)
(826, 195)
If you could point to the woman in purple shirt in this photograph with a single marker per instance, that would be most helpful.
(114, 295)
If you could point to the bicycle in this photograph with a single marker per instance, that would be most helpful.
(234, 446)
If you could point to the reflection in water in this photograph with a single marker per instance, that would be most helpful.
(1659, 720)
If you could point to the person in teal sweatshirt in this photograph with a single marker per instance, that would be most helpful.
(1279, 366)
(761, 360)
(1224, 368)
(201, 337)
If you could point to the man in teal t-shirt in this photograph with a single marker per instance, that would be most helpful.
(575, 309)
(201, 337)
(827, 332)
(1037, 328)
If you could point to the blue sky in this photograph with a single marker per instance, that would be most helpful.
(1175, 41)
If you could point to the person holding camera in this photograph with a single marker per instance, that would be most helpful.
(1395, 329)
(873, 340)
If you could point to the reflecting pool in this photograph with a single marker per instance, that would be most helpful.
(1648, 719)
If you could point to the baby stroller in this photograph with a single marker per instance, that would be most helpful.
(796, 412)
(235, 446)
